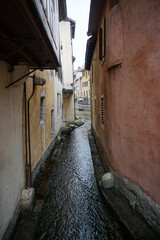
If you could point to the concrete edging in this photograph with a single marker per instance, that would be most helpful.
(124, 200)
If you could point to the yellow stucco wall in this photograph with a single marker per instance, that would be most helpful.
(40, 133)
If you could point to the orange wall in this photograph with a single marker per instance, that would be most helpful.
(131, 135)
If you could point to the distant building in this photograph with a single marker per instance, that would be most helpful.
(82, 85)
(86, 86)
(78, 84)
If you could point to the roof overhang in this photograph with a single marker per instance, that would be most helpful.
(96, 9)
(73, 26)
(25, 37)
(62, 10)
(91, 43)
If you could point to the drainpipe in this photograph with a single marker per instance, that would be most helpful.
(28, 166)
(36, 81)
(25, 120)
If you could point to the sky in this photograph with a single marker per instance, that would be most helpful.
(78, 10)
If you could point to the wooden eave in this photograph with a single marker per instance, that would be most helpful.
(62, 10)
(73, 26)
(96, 10)
(23, 38)
(91, 43)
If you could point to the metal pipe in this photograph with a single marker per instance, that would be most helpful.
(19, 79)
(36, 81)
(25, 122)
(16, 50)
(28, 167)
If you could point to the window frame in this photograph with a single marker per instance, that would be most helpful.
(102, 41)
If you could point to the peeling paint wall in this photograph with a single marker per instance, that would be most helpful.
(11, 154)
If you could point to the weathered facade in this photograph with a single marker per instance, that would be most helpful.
(30, 42)
(123, 55)
(67, 32)
(11, 151)
(43, 116)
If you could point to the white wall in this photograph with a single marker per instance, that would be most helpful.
(57, 115)
(11, 155)
(66, 52)
(67, 69)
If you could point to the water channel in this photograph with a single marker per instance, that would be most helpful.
(73, 208)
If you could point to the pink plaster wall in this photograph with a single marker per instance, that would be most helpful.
(131, 138)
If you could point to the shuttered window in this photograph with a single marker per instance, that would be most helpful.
(100, 44)
(102, 41)
(95, 106)
(42, 109)
(58, 102)
(102, 110)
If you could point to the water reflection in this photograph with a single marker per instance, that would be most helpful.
(73, 208)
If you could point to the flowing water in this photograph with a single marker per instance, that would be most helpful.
(73, 208)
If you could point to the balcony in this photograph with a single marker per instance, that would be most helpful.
(29, 32)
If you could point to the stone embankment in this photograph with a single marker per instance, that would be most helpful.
(136, 225)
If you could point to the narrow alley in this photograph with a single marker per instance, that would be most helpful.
(79, 125)
(72, 208)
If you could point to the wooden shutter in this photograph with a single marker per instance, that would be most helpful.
(100, 44)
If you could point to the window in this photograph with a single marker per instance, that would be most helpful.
(52, 124)
(42, 109)
(100, 44)
(86, 74)
(84, 93)
(95, 106)
(102, 111)
(83, 74)
(102, 41)
(87, 93)
(58, 102)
